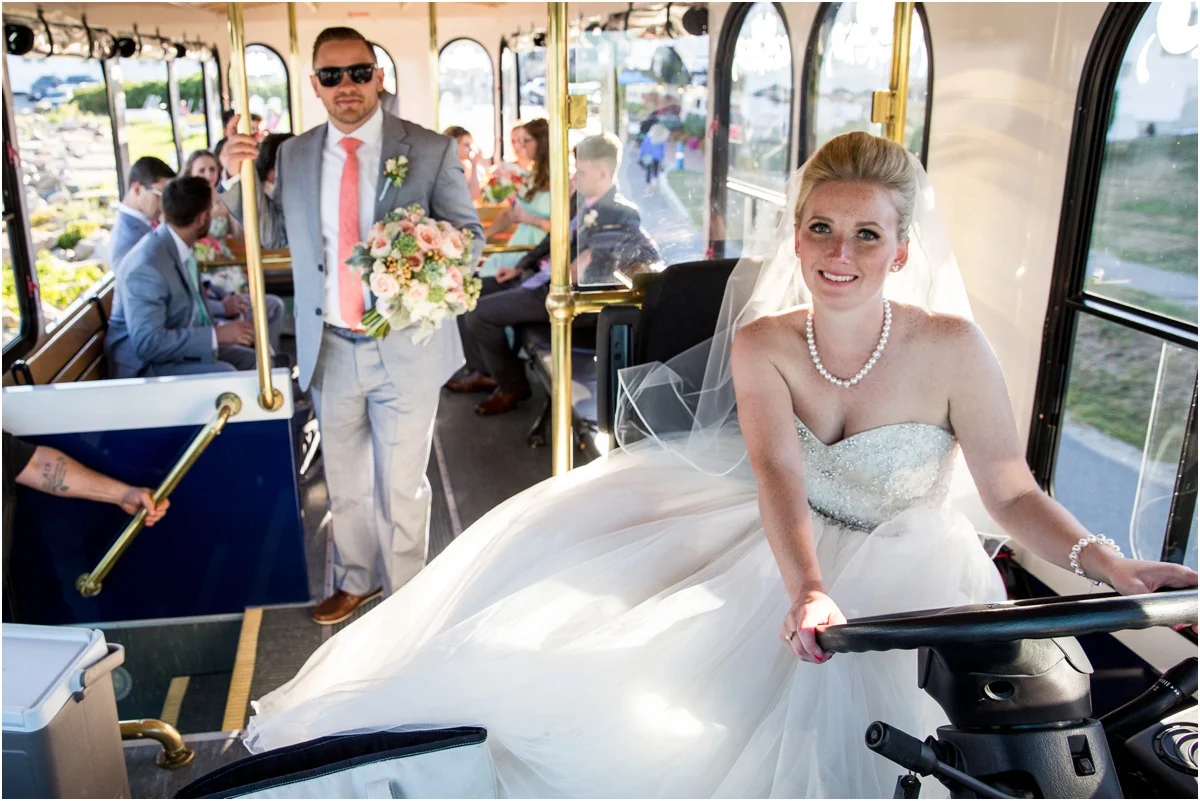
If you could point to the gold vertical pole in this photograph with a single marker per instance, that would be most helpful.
(435, 78)
(294, 58)
(269, 398)
(560, 302)
(901, 46)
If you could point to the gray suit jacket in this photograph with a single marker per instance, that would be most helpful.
(292, 219)
(127, 231)
(153, 323)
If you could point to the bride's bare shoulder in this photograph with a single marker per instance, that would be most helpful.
(770, 336)
(946, 334)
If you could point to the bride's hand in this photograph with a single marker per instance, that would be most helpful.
(1135, 577)
(812, 609)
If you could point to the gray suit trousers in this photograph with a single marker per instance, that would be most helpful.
(376, 435)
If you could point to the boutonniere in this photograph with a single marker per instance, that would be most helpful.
(590, 218)
(395, 171)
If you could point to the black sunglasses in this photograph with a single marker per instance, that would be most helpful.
(330, 77)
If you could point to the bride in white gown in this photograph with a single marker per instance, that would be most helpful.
(644, 625)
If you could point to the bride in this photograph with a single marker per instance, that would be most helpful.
(645, 625)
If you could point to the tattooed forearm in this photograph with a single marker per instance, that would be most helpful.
(54, 476)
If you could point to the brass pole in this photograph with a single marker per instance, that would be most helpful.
(435, 78)
(175, 752)
(294, 57)
(560, 300)
(901, 46)
(228, 405)
(269, 398)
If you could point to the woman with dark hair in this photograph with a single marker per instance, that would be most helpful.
(469, 156)
(264, 163)
(531, 210)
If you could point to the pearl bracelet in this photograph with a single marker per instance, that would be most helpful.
(1085, 542)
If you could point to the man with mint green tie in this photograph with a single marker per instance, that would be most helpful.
(164, 326)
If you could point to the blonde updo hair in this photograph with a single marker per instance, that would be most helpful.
(860, 157)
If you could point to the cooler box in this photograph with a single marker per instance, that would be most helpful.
(61, 734)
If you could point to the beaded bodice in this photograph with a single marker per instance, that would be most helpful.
(867, 479)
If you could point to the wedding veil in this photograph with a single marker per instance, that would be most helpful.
(687, 404)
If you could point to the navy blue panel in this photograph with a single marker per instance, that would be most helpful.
(232, 538)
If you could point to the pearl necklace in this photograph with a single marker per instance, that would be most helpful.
(861, 374)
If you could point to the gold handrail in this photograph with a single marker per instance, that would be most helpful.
(489, 250)
(297, 96)
(434, 52)
(266, 260)
(890, 107)
(175, 752)
(269, 398)
(228, 405)
(559, 299)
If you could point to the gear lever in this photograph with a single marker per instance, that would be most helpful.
(910, 753)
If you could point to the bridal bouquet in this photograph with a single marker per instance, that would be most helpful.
(420, 271)
(505, 181)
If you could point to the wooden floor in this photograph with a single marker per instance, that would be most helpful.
(476, 464)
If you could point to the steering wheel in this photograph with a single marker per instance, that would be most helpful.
(1033, 619)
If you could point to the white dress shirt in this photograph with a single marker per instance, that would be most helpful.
(135, 214)
(185, 253)
(333, 161)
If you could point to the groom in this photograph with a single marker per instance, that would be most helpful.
(376, 399)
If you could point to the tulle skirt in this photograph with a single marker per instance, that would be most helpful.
(616, 631)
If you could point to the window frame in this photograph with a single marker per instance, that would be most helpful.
(287, 83)
(395, 72)
(220, 109)
(814, 54)
(722, 75)
(1068, 297)
(502, 140)
(21, 245)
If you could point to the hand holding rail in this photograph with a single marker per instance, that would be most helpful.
(228, 405)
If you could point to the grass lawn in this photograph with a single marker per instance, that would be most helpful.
(147, 138)
(1146, 208)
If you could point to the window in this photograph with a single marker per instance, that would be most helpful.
(509, 88)
(65, 140)
(1114, 427)
(389, 68)
(756, 113)
(850, 57)
(147, 110)
(466, 92)
(192, 116)
(267, 84)
(531, 68)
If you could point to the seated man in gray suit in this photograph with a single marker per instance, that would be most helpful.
(139, 208)
(160, 323)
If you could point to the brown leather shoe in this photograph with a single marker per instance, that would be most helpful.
(500, 401)
(475, 382)
(339, 606)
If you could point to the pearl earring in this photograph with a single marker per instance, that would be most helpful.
(896, 268)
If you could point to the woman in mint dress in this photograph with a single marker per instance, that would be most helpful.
(531, 209)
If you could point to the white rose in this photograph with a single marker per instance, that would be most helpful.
(384, 285)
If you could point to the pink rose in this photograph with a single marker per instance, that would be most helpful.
(407, 226)
(379, 246)
(384, 285)
(454, 279)
(376, 230)
(428, 237)
(453, 244)
(414, 218)
(415, 262)
(445, 226)
(417, 292)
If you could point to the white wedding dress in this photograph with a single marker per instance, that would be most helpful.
(616, 629)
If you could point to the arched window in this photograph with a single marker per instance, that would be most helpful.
(1114, 426)
(754, 107)
(267, 82)
(849, 58)
(389, 67)
(147, 110)
(466, 87)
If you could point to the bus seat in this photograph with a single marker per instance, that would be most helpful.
(75, 351)
(679, 311)
(534, 339)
